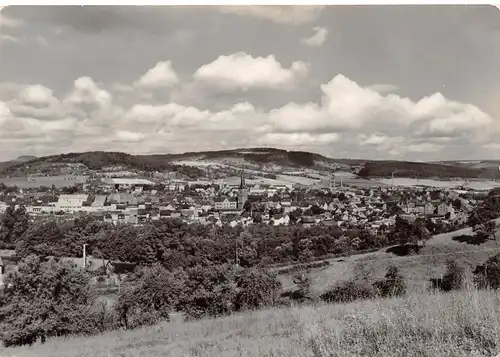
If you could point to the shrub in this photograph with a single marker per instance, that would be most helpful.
(487, 275)
(149, 296)
(256, 289)
(303, 292)
(393, 284)
(452, 279)
(44, 299)
(209, 291)
(348, 291)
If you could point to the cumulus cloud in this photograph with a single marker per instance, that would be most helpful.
(281, 14)
(317, 38)
(384, 88)
(36, 94)
(298, 139)
(161, 75)
(347, 120)
(86, 91)
(242, 71)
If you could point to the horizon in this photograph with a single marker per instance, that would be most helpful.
(404, 83)
(247, 148)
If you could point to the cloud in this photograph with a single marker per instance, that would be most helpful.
(242, 71)
(300, 139)
(317, 38)
(4, 38)
(86, 91)
(347, 120)
(281, 14)
(384, 88)
(36, 94)
(9, 22)
(41, 40)
(161, 75)
(346, 106)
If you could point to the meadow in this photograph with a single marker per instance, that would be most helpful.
(421, 323)
(458, 324)
(417, 269)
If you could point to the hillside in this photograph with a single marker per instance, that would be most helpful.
(20, 159)
(473, 164)
(191, 161)
(196, 164)
(416, 268)
(464, 323)
(460, 324)
(97, 160)
(425, 170)
(255, 156)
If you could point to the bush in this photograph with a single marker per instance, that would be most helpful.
(303, 292)
(256, 289)
(149, 296)
(452, 279)
(43, 299)
(488, 274)
(393, 284)
(348, 291)
(210, 291)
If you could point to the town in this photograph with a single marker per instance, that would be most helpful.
(137, 200)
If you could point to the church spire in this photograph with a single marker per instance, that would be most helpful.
(242, 181)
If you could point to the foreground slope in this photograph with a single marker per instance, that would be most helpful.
(465, 323)
(417, 269)
(459, 324)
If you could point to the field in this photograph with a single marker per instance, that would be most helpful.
(464, 323)
(461, 324)
(417, 269)
(476, 184)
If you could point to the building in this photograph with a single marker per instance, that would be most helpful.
(71, 203)
(57, 181)
(242, 192)
(226, 205)
(129, 183)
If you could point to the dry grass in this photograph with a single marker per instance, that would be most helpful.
(417, 269)
(465, 323)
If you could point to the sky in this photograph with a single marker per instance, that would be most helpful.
(416, 83)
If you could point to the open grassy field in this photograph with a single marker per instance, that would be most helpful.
(460, 324)
(417, 269)
(464, 323)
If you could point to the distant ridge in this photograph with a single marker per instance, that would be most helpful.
(186, 163)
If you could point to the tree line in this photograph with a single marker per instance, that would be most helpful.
(47, 298)
(174, 243)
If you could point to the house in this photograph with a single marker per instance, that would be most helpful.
(443, 208)
(71, 203)
(226, 205)
(129, 183)
(8, 262)
(99, 202)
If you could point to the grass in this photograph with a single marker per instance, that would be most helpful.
(464, 323)
(417, 269)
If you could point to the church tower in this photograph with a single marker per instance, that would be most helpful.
(242, 191)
